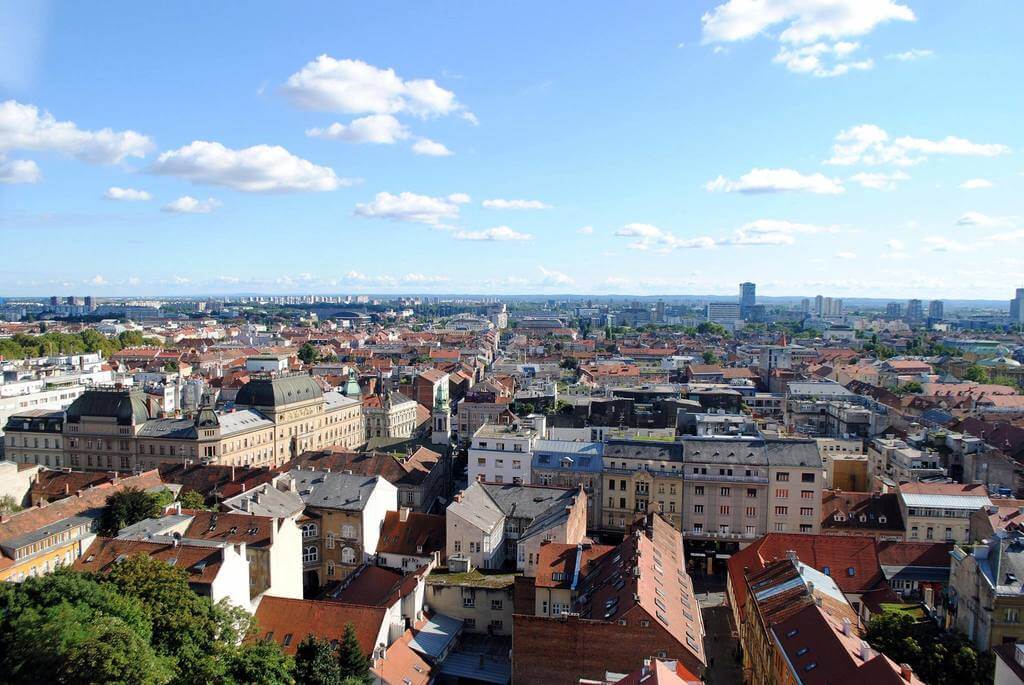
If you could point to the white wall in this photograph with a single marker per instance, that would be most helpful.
(16, 483)
(232, 581)
(286, 560)
(384, 498)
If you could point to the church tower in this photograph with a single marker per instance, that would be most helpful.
(441, 419)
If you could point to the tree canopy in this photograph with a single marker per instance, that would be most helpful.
(140, 624)
(938, 658)
(129, 506)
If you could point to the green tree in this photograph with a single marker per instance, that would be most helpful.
(192, 499)
(112, 653)
(9, 505)
(355, 665)
(976, 373)
(316, 663)
(711, 328)
(570, 363)
(308, 354)
(709, 357)
(910, 387)
(260, 663)
(938, 658)
(127, 507)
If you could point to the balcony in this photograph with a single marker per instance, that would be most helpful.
(715, 478)
(715, 535)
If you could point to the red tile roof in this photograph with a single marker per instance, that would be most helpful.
(290, 620)
(201, 562)
(419, 535)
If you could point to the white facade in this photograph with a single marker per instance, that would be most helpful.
(502, 454)
(286, 560)
(383, 499)
(232, 581)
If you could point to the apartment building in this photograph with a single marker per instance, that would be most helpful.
(894, 460)
(987, 590)
(572, 464)
(940, 511)
(502, 453)
(637, 474)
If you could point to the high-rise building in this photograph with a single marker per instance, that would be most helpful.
(54, 301)
(915, 312)
(1017, 307)
(805, 305)
(659, 311)
(819, 305)
(894, 310)
(748, 297)
(90, 303)
(935, 310)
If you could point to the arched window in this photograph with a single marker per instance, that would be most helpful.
(348, 531)
(309, 530)
(330, 541)
(348, 556)
(310, 554)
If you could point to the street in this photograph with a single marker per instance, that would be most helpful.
(719, 643)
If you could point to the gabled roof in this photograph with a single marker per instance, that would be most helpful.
(419, 535)
(332, 490)
(201, 562)
(832, 555)
(288, 621)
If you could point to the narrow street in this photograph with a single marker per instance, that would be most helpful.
(719, 643)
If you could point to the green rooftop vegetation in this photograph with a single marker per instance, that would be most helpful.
(474, 578)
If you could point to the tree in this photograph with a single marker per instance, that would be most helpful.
(308, 354)
(9, 505)
(976, 373)
(570, 363)
(910, 387)
(191, 499)
(112, 653)
(709, 357)
(711, 328)
(261, 663)
(126, 507)
(355, 665)
(316, 663)
(938, 658)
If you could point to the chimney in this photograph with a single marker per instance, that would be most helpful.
(847, 627)
(403, 514)
(865, 651)
(906, 672)
(791, 555)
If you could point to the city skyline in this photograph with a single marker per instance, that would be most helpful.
(871, 152)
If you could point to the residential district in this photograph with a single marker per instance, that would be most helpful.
(565, 491)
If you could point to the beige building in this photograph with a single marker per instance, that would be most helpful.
(390, 415)
(940, 511)
(276, 419)
(986, 588)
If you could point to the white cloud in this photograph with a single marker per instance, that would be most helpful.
(976, 183)
(880, 181)
(773, 232)
(186, 204)
(911, 55)
(552, 277)
(943, 244)
(355, 87)
(585, 230)
(410, 207)
(776, 181)
(431, 148)
(804, 21)
(515, 204)
(846, 255)
(811, 40)
(895, 245)
(375, 128)
(127, 194)
(870, 144)
(256, 169)
(984, 221)
(97, 280)
(24, 127)
(652, 237)
(19, 171)
(822, 60)
(496, 234)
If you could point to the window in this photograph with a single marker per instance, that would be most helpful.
(781, 511)
(1011, 616)
(805, 528)
(724, 492)
(348, 555)
(782, 477)
(751, 492)
(698, 508)
(806, 511)
(750, 531)
(611, 484)
(458, 545)
(309, 530)
(781, 493)
(330, 541)
(723, 510)
(751, 511)
(807, 494)
(468, 601)
(698, 490)
(348, 531)
(807, 477)
(698, 528)
(496, 605)
(310, 555)
(497, 624)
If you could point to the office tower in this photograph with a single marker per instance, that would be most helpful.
(659, 311)
(819, 304)
(748, 297)
(54, 301)
(894, 310)
(805, 305)
(90, 303)
(1017, 308)
(915, 312)
(935, 310)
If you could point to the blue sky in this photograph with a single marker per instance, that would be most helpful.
(842, 147)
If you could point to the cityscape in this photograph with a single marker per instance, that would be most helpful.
(437, 344)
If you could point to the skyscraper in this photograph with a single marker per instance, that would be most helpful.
(1017, 308)
(894, 310)
(748, 298)
(935, 310)
(915, 312)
